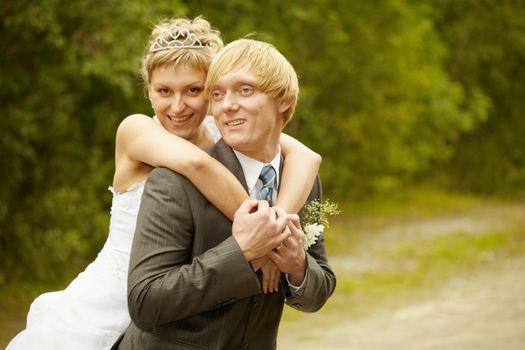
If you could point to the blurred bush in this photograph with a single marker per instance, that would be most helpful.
(392, 92)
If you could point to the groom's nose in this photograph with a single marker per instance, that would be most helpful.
(229, 102)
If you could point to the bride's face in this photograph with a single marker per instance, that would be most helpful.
(178, 99)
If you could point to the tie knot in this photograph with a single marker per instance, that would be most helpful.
(267, 183)
(267, 174)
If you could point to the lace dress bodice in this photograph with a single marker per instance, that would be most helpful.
(124, 210)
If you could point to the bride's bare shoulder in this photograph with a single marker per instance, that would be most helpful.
(136, 120)
(135, 124)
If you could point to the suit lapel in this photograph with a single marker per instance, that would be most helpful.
(224, 154)
(281, 165)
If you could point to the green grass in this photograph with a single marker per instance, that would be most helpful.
(428, 261)
(420, 202)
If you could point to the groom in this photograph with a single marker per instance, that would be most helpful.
(191, 282)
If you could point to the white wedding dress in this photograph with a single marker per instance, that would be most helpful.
(92, 311)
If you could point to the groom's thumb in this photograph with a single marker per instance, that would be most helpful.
(248, 206)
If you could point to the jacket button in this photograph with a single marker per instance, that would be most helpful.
(255, 305)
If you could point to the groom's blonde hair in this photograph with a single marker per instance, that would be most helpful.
(275, 75)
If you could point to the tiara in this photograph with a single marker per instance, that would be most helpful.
(176, 38)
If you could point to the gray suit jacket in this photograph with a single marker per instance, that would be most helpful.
(190, 286)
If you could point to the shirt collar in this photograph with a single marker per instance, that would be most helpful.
(252, 168)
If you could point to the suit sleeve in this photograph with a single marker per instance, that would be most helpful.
(165, 283)
(320, 278)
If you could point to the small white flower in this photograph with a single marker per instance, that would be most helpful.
(315, 219)
(311, 234)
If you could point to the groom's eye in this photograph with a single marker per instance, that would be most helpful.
(216, 95)
(247, 90)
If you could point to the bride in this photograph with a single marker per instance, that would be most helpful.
(91, 312)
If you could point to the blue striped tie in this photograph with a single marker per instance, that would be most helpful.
(267, 177)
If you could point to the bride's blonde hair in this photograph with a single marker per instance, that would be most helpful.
(179, 42)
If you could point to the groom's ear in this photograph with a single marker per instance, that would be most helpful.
(285, 104)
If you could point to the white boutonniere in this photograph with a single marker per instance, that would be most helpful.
(316, 219)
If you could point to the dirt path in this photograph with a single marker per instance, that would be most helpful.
(481, 311)
(485, 311)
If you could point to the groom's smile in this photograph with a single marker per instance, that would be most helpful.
(236, 122)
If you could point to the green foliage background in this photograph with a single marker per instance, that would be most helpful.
(393, 92)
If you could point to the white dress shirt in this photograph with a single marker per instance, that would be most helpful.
(252, 169)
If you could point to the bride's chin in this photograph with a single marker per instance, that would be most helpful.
(185, 132)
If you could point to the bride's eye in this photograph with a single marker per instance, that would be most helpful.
(195, 90)
(163, 91)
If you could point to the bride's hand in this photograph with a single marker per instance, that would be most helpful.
(271, 277)
(259, 263)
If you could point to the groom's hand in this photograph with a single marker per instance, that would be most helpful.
(258, 229)
(290, 258)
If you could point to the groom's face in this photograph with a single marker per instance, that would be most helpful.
(249, 119)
